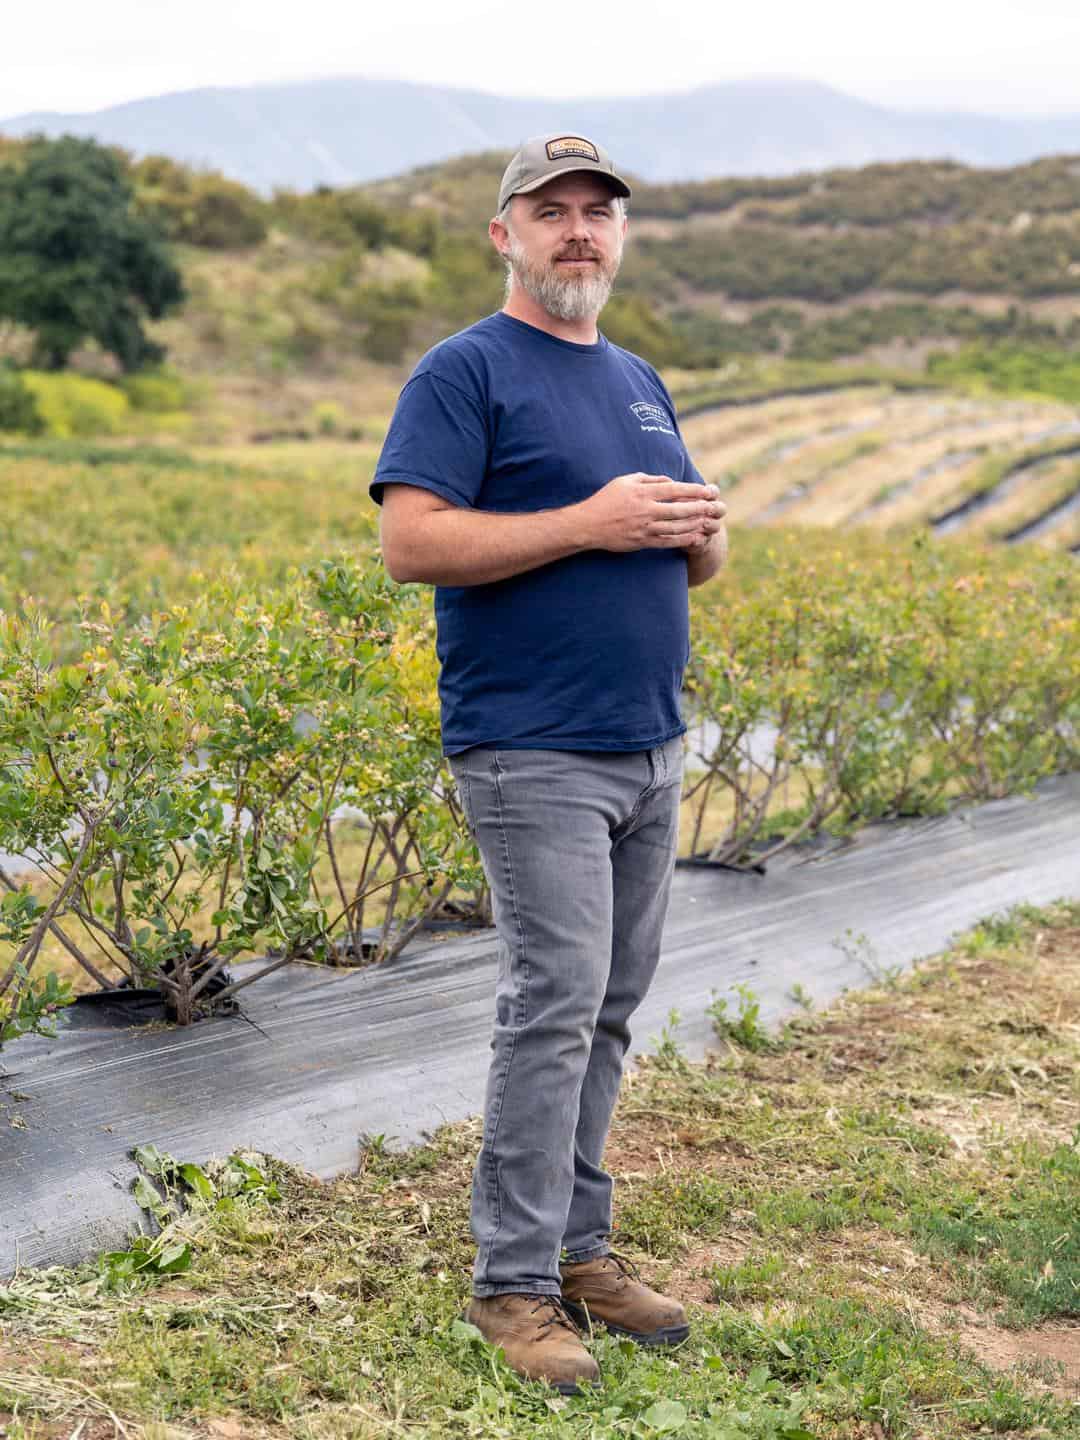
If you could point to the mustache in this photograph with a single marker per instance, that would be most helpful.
(577, 255)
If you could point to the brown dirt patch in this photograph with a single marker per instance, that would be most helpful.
(690, 1278)
(1046, 1355)
(884, 1268)
(96, 1429)
(640, 1147)
(19, 1354)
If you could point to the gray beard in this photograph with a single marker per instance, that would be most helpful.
(566, 297)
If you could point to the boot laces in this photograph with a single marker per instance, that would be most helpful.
(558, 1314)
(625, 1266)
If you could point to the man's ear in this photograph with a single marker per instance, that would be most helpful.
(500, 236)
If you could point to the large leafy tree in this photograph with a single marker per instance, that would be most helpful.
(76, 259)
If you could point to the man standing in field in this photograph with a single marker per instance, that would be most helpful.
(535, 474)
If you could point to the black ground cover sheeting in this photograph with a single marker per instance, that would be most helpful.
(318, 1058)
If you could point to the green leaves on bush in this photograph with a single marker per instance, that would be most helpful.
(202, 208)
(77, 405)
(35, 1002)
(1012, 369)
(839, 683)
(18, 404)
(195, 766)
(242, 775)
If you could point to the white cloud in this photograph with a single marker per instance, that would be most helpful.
(994, 56)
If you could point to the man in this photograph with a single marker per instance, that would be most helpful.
(534, 473)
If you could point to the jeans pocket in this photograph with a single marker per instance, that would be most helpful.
(459, 768)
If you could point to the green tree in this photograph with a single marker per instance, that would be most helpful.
(76, 260)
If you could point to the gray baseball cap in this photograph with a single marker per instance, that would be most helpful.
(545, 157)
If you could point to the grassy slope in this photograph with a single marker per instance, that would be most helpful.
(274, 330)
(873, 1218)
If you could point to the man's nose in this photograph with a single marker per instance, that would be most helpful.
(577, 224)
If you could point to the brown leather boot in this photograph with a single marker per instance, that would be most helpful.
(609, 1290)
(537, 1338)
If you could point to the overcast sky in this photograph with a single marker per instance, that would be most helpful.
(991, 55)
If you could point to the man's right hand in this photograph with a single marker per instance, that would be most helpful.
(638, 511)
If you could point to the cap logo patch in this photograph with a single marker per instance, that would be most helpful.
(568, 145)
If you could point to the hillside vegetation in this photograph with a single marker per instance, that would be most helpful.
(883, 291)
(746, 265)
(878, 262)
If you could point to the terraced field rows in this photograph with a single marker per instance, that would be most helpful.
(996, 469)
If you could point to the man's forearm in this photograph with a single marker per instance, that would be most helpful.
(702, 565)
(457, 546)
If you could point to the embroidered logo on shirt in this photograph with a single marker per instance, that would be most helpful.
(652, 417)
(571, 145)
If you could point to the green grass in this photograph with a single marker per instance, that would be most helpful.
(93, 452)
(841, 1210)
(753, 378)
(1027, 1240)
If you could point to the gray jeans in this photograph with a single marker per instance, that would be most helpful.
(578, 848)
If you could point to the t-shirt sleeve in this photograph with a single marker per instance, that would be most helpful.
(437, 439)
(691, 474)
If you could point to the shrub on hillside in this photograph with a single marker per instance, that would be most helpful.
(466, 280)
(754, 260)
(387, 314)
(852, 331)
(760, 262)
(630, 321)
(18, 404)
(1015, 369)
(349, 217)
(708, 340)
(77, 405)
(157, 391)
(933, 192)
(684, 198)
(199, 207)
(223, 215)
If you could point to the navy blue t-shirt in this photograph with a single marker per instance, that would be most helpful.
(583, 653)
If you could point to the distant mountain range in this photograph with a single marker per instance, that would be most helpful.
(346, 130)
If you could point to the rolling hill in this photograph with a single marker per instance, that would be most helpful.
(833, 340)
(349, 129)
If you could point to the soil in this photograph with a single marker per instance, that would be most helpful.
(1025, 1349)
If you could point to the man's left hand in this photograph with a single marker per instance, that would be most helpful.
(709, 528)
(706, 554)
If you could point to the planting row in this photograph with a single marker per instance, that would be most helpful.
(260, 773)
